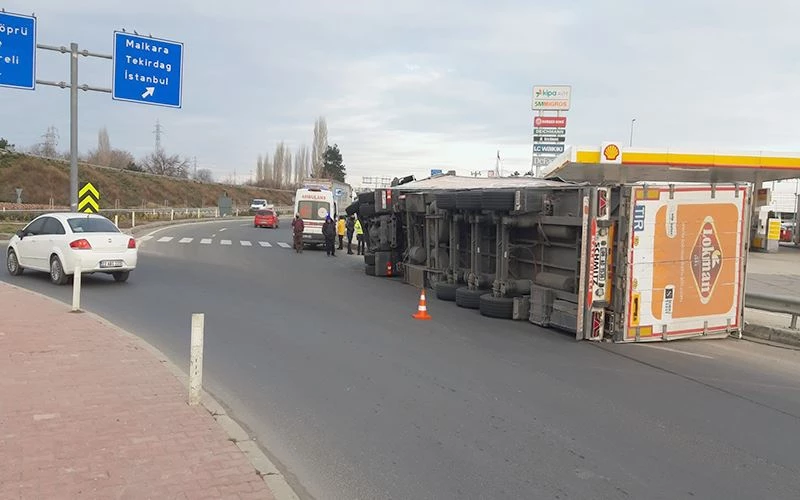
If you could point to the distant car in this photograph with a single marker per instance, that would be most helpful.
(57, 242)
(266, 218)
(787, 231)
(258, 204)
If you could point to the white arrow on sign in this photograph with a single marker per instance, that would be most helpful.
(148, 92)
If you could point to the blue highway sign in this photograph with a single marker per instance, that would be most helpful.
(17, 51)
(147, 70)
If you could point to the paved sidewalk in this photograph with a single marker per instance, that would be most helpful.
(86, 411)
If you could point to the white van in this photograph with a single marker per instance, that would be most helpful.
(314, 205)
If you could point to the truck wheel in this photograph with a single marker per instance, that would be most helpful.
(446, 291)
(468, 200)
(446, 201)
(497, 200)
(496, 307)
(366, 211)
(369, 270)
(469, 299)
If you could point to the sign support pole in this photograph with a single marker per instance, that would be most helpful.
(73, 109)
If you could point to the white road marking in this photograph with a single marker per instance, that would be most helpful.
(165, 239)
(245, 225)
(205, 241)
(661, 348)
(186, 240)
(284, 245)
(225, 242)
(223, 229)
(246, 243)
(264, 244)
(145, 238)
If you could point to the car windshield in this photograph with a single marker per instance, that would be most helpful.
(92, 225)
(259, 202)
(314, 210)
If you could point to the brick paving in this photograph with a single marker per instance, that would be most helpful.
(88, 412)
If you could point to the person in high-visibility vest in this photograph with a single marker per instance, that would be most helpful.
(340, 231)
(360, 237)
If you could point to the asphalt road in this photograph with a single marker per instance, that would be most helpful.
(357, 400)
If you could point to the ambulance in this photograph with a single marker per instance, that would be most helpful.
(314, 205)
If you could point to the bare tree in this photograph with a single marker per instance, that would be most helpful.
(267, 166)
(103, 147)
(204, 175)
(160, 163)
(260, 169)
(301, 164)
(278, 163)
(319, 146)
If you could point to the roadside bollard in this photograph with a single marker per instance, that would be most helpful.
(196, 359)
(76, 289)
(116, 220)
(172, 214)
(133, 219)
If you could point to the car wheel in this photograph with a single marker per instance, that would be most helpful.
(57, 274)
(497, 307)
(446, 291)
(121, 276)
(12, 263)
(469, 299)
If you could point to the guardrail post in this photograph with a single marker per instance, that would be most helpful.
(76, 289)
(196, 360)
(198, 213)
(133, 219)
(172, 214)
(794, 322)
(116, 220)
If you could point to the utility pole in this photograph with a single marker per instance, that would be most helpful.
(633, 121)
(497, 165)
(158, 131)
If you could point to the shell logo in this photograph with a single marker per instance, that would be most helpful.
(611, 152)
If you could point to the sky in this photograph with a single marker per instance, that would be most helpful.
(416, 85)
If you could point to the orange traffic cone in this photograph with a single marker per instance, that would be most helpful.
(422, 309)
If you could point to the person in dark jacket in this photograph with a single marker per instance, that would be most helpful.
(351, 229)
(297, 232)
(329, 232)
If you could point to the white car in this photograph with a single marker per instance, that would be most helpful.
(258, 204)
(57, 242)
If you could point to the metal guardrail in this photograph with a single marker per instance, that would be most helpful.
(774, 303)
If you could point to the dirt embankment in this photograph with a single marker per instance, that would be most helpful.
(47, 181)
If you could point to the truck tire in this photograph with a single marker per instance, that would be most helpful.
(365, 211)
(497, 200)
(446, 291)
(369, 259)
(469, 299)
(369, 270)
(446, 201)
(468, 200)
(496, 307)
(367, 198)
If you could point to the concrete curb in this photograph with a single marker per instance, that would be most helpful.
(773, 334)
(260, 461)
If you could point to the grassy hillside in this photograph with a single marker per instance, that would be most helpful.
(42, 180)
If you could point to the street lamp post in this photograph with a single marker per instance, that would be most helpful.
(633, 121)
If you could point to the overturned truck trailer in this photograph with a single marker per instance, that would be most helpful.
(624, 262)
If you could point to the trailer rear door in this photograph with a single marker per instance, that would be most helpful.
(685, 269)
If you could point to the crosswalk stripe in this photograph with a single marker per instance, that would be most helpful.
(165, 239)
(225, 242)
(145, 238)
(264, 244)
(284, 245)
(246, 243)
(186, 240)
(205, 241)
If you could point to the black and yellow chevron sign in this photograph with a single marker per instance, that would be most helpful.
(88, 199)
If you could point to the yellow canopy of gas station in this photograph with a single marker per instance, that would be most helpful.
(613, 163)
